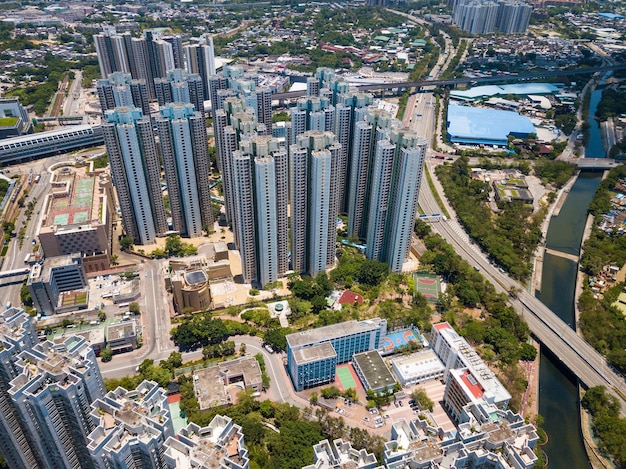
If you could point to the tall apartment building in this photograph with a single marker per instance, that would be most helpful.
(131, 428)
(260, 208)
(180, 87)
(177, 49)
(327, 84)
(52, 393)
(122, 90)
(218, 445)
(136, 173)
(46, 282)
(513, 16)
(160, 54)
(395, 184)
(312, 186)
(17, 333)
(350, 109)
(111, 51)
(184, 149)
(200, 60)
(476, 16)
(485, 16)
(312, 356)
(231, 124)
(311, 113)
(374, 127)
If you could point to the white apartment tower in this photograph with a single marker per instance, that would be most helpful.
(136, 173)
(52, 392)
(374, 127)
(260, 209)
(395, 183)
(180, 87)
(184, 150)
(131, 428)
(313, 219)
(122, 90)
(17, 334)
(200, 59)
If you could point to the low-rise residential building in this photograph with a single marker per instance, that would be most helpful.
(122, 336)
(14, 119)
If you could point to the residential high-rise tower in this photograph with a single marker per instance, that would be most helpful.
(136, 172)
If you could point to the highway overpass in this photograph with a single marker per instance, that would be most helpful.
(574, 352)
(460, 81)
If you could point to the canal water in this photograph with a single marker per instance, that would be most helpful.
(558, 391)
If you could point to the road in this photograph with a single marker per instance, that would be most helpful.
(72, 101)
(574, 352)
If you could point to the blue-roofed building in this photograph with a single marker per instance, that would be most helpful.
(519, 89)
(476, 126)
(611, 16)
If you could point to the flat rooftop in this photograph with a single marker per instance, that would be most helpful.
(374, 369)
(71, 199)
(313, 336)
(468, 124)
(314, 353)
(423, 363)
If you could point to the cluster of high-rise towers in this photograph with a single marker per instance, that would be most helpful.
(282, 195)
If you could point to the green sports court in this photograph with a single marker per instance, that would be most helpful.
(345, 378)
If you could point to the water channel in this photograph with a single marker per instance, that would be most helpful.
(558, 392)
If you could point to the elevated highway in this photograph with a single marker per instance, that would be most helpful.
(460, 81)
(574, 352)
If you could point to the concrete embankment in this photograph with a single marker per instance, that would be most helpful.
(596, 458)
(553, 211)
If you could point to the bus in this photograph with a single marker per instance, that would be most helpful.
(123, 305)
(27, 258)
(37, 178)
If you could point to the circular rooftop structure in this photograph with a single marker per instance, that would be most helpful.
(279, 307)
(195, 277)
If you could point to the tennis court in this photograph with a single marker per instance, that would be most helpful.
(428, 285)
(345, 378)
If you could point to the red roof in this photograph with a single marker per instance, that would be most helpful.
(442, 325)
(350, 298)
(474, 387)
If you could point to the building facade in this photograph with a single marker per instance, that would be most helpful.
(184, 149)
(136, 173)
(56, 275)
(52, 392)
(310, 362)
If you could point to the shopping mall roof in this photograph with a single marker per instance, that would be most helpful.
(475, 125)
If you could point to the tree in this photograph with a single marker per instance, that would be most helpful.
(331, 392)
(422, 399)
(126, 243)
(528, 353)
(114, 259)
(134, 307)
(372, 272)
(175, 360)
(314, 398)
(102, 316)
(106, 354)
(276, 338)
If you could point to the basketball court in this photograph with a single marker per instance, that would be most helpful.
(428, 285)
(398, 339)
